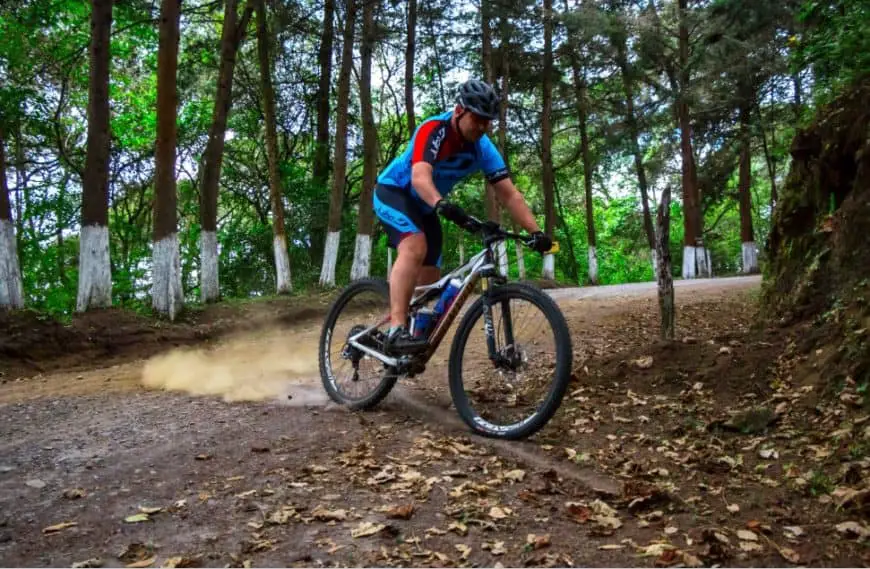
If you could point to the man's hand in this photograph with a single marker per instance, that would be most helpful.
(539, 242)
(452, 212)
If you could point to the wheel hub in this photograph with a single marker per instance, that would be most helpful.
(510, 358)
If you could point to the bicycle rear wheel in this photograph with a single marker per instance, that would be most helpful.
(497, 397)
(352, 377)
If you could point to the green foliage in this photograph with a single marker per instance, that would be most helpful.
(740, 54)
(836, 44)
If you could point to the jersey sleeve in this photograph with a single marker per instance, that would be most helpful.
(491, 162)
(427, 142)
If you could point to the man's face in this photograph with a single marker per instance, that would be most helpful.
(471, 126)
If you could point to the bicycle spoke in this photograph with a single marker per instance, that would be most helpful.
(510, 391)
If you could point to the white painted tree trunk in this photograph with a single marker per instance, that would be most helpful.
(282, 265)
(697, 263)
(362, 257)
(521, 263)
(503, 261)
(549, 269)
(389, 261)
(209, 283)
(330, 257)
(167, 296)
(655, 262)
(750, 258)
(95, 271)
(689, 271)
(11, 290)
(593, 265)
(705, 267)
(461, 251)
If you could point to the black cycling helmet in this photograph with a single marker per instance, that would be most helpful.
(479, 98)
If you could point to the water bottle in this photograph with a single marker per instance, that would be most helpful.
(447, 297)
(422, 321)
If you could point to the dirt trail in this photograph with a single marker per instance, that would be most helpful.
(242, 474)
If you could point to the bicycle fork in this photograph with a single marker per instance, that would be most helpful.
(495, 356)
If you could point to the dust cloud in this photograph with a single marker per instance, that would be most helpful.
(248, 368)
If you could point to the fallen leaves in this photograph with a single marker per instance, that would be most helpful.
(464, 550)
(496, 548)
(515, 475)
(401, 512)
(324, 515)
(58, 527)
(74, 493)
(499, 513)
(137, 518)
(610, 547)
(536, 542)
(644, 362)
(283, 515)
(365, 529)
(853, 529)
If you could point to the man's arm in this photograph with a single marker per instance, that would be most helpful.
(511, 198)
(421, 179)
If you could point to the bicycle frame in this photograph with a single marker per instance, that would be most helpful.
(479, 266)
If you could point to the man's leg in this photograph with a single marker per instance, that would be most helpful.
(404, 276)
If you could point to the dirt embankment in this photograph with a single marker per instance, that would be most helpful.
(819, 272)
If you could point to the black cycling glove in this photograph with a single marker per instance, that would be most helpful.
(452, 212)
(539, 242)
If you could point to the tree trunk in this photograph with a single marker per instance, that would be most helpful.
(582, 115)
(502, 125)
(409, 66)
(95, 273)
(492, 209)
(321, 166)
(770, 161)
(321, 154)
(59, 229)
(336, 198)
(276, 194)
(231, 36)
(549, 268)
(362, 251)
(167, 294)
(11, 291)
(634, 134)
(747, 238)
(694, 253)
(665, 280)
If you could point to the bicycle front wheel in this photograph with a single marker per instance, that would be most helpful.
(511, 389)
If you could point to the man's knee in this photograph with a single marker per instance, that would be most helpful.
(413, 247)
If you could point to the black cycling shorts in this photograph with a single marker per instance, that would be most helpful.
(401, 215)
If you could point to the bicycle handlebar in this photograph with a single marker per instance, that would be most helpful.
(492, 230)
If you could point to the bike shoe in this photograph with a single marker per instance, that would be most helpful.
(400, 342)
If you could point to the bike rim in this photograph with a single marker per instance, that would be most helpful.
(508, 394)
(366, 309)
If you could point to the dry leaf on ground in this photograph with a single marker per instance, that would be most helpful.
(366, 528)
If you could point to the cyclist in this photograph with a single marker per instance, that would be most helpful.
(411, 192)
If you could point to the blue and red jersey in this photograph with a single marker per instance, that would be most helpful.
(452, 157)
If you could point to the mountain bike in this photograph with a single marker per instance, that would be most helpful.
(495, 360)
